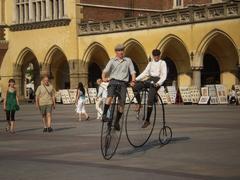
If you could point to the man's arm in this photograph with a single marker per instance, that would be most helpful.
(144, 73)
(106, 71)
(163, 74)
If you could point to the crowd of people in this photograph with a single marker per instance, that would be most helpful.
(116, 73)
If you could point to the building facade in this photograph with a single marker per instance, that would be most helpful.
(200, 42)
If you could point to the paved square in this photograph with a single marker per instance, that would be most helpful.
(205, 146)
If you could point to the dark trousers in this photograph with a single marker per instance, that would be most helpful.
(146, 84)
(10, 115)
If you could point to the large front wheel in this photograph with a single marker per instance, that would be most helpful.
(136, 135)
(110, 137)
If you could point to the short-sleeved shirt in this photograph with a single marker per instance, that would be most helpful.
(119, 69)
(45, 95)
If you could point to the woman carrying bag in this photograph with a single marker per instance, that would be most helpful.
(10, 106)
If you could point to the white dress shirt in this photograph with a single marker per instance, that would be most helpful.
(155, 69)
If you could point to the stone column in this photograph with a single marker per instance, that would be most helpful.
(44, 70)
(55, 15)
(38, 9)
(196, 81)
(74, 73)
(60, 5)
(21, 14)
(83, 73)
(30, 9)
(26, 10)
(48, 10)
(1, 12)
(15, 16)
(17, 76)
(65, 8)
(42, 11)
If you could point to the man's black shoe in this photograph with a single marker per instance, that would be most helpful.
(45, 129)
(146, 124)
(117, 126)
(105, 118)
(50, 129)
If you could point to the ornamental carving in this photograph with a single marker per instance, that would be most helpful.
(40, 25)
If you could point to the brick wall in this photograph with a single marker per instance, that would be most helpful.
(101, 14)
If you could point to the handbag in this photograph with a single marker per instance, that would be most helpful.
(17, 107)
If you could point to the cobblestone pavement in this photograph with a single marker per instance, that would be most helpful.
(205, 146)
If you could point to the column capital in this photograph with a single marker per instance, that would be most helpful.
(197, 68)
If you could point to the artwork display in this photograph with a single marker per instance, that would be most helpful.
(221, 94)
(92, 92)
(204, 100)
(65, 96)
(58, 97)
(163, 95)
(73, 94)
(185, 94)
(204, 91)
(172, 92)
(195, 94)
(214, 100)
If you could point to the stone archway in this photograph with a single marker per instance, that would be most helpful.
(58, 66)
(219, 45)
(135, 51)
(95, 60)
(172, 48)
(28, 71)
(172, 75)
(210, 73)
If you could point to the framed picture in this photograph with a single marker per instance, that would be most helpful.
(204, 91)
(185, 94)
(65, 96)
(58, 97)
(214, 100)
(72, 94)
(172, 92)
(204, 100)
(221, 94)
(92, 92)
(195, 94)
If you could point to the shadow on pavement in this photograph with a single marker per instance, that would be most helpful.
(62, 129)
(151, 145)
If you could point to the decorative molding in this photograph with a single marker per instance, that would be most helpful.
(188, 15)
(40, 25)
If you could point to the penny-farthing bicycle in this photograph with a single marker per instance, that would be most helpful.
(110, 137)
(138, 136)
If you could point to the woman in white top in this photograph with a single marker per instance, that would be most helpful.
(101, 97)
(80, 102)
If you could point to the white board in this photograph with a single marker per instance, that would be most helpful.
(185, 94)
(65, 96)
(92, 92)
(195, 94)
(221, 94)
(204, 100)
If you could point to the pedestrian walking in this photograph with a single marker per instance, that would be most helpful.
(10, 106)
(80, 102)
(101, 97)
(45, 102)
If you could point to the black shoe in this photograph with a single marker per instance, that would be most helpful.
(45, 130)
(49, 129)
(117, 126)
(105, 118)
(146, 124)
